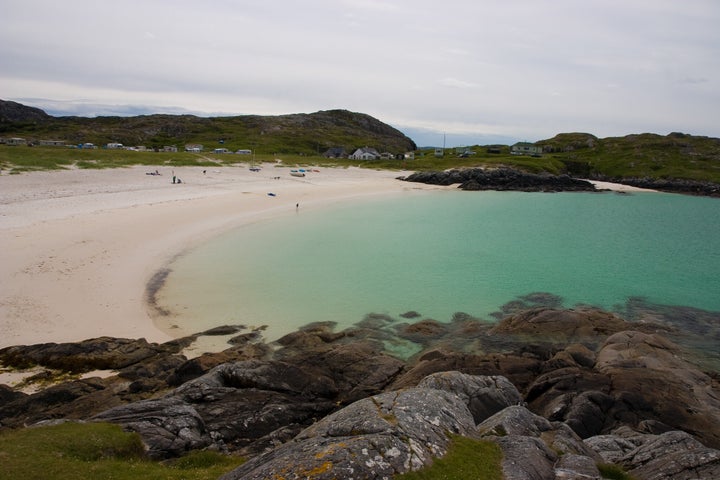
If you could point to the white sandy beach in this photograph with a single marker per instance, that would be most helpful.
(77, 247)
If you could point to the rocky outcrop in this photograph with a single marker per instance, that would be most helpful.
(638, 379)
(483, 395)
(252, 405)
(662, 389)
(501, 179)
(669, 456)
(535, 383)
(670, 185)
(376, 437)
(534, 448)
(93, 354)
(561, 326)
(169, 427)
(401, 431)
(386, 434)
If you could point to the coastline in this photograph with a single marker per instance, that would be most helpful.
(79, 247)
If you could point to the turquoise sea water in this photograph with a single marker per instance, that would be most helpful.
(441, 252)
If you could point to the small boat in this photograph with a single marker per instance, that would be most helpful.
(271, 194)
(254, 169)
(295, 173)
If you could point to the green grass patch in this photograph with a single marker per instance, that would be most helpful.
(466, 458)
(74, 451)
(613, 472)
(16, 159)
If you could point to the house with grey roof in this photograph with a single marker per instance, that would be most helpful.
(525, 148)
(365, 153)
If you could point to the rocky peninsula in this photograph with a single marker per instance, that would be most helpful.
(501, 179)
(560, 391)
(509, 179)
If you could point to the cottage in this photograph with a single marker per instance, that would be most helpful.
(365, 153)
(244, 151)
(114, 146)
(16, 141)
(170, 148)
(193, 147)
(52, 143)
(221, 150)
(525, 148)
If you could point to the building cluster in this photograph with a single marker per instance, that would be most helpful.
(364, 153)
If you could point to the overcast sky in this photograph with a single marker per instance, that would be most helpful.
(476, 71)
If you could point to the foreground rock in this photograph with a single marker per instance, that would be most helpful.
(386, 434)
(637, 379)
(376, 437)
(669, 456)
(252, 405)
(402, 431)
(536, 449)
(535, 383)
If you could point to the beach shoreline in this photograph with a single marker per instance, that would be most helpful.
(79, 248)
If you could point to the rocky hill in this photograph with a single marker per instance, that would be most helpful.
(311, 133)
(13, 112)
(637, 156)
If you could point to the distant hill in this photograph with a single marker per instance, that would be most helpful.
(646, 155)
(311, 133)
(13, 112)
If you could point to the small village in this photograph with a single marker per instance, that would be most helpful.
(362, 153)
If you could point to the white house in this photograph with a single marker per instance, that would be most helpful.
(193, 147)
(365, 153)
(525, 148)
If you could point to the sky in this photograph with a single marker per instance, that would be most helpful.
(451, 72)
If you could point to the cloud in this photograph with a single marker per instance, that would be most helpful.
(520, 68)
(456, 83)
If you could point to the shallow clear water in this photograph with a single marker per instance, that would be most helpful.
(441, 252)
